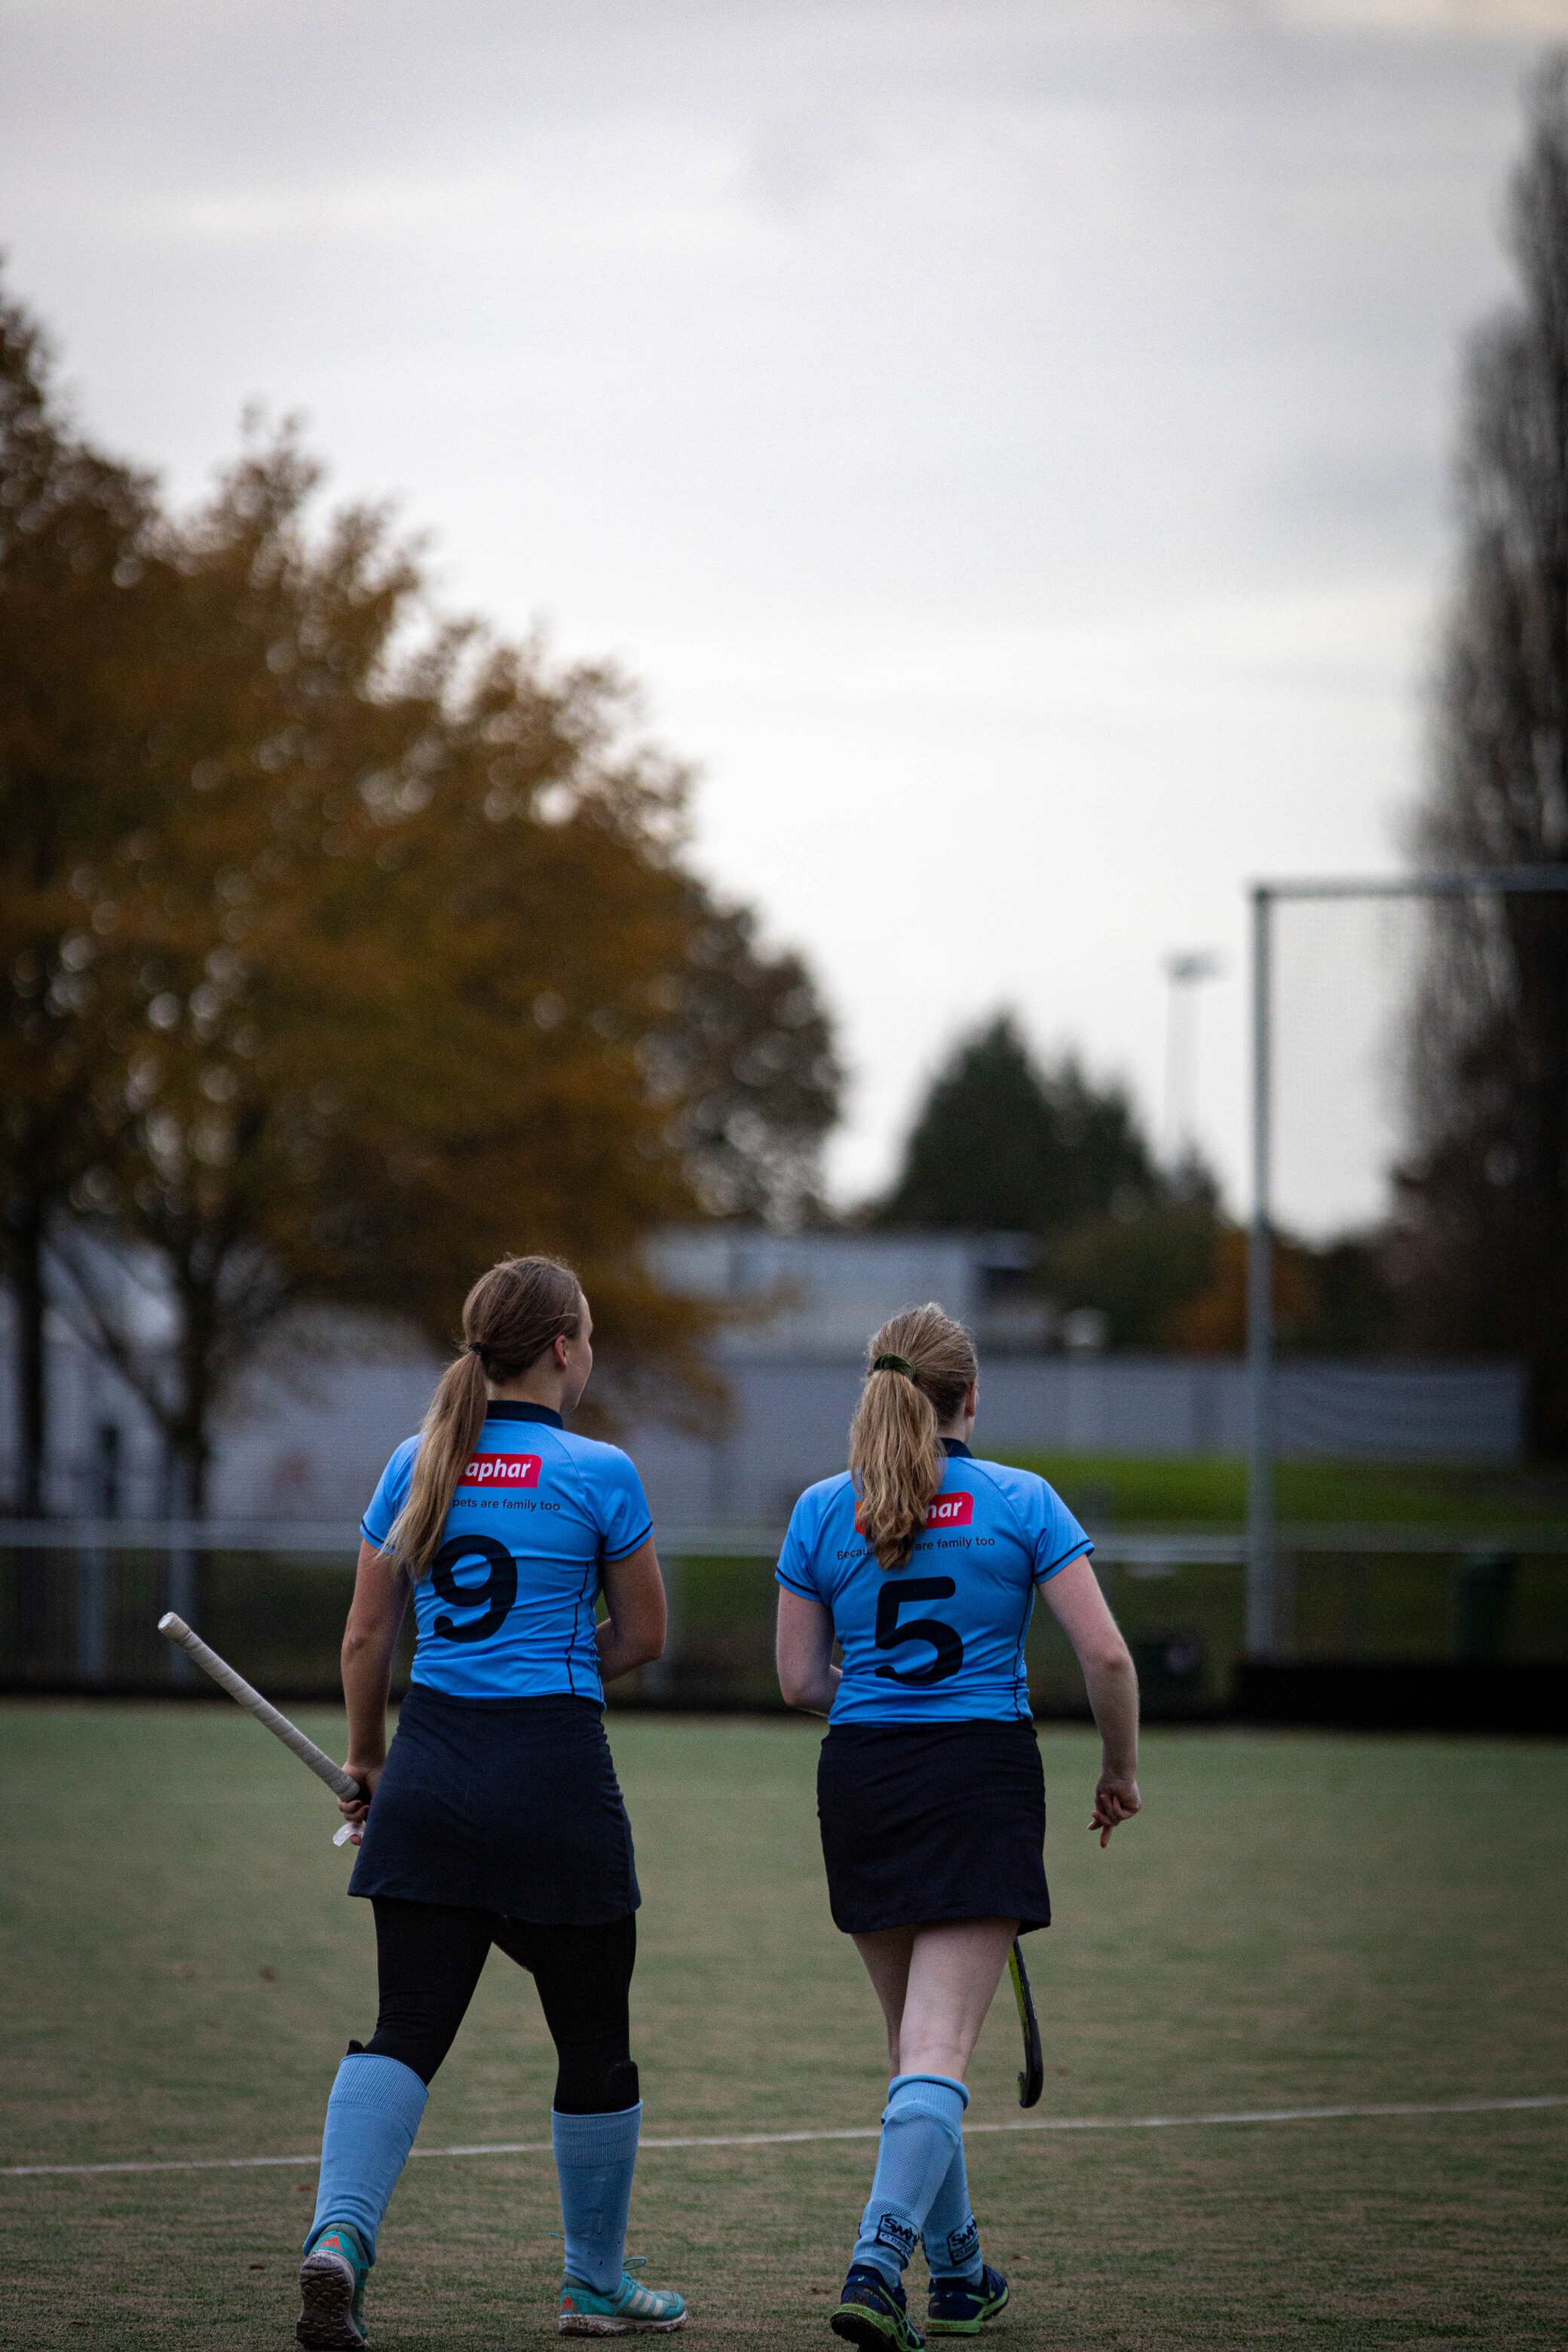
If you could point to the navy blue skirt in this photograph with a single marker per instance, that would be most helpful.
(926, 1822)
(507, 1804)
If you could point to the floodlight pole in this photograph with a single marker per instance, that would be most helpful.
(1184, 970)
(1262, 1627)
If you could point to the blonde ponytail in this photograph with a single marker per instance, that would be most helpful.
(923, 1365)
(510, 1318)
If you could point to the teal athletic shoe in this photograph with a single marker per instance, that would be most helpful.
(332, 2292)
(954, 2308)
(631, 2310)
(873, 2313)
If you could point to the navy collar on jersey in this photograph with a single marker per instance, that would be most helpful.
(510, 1412)
(957, 1445)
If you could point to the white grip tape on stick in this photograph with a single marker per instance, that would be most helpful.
(341, 1784)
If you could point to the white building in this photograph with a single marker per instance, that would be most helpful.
(307, 1438)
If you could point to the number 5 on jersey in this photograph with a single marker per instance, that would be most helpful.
(903, 1592)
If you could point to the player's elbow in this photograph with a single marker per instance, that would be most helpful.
(1109, 1661)
(643, 1638)
(798, 1685)
(357, 1639)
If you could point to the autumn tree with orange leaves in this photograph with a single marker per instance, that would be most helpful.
(81, 596)
(392, 964)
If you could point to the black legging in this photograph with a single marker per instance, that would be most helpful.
(428, 1958)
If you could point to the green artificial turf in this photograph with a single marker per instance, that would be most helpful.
(1294, 1921)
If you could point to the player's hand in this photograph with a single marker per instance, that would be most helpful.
(1114, 1801)
(354, 1808)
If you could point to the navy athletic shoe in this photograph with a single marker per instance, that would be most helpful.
(873, 2313)
(332, 2292)
(954, 2308)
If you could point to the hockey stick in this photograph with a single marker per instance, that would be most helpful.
(1032, 2077)
(341, 1784)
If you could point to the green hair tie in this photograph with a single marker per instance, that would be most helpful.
(893, 1364)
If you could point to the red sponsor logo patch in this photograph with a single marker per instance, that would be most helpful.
(501, 1470)
(946, 1511)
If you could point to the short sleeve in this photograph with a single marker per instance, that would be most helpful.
(1060, 1538)
(619, 1504)
(391, 1494)
(795, 1571)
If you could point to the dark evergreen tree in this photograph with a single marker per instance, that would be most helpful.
(1001, 1145)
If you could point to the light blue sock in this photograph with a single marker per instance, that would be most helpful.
(950, 2232)
(372, 2117)
(596, 2156)
(922, 2129)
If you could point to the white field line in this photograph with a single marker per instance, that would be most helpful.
(864, 2131)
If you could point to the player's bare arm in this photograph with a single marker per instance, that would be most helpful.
(370, 1639)
(1075, 1601)
(632, 1634)
(804, 1650)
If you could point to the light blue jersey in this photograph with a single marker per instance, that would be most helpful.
(940, 1640)
(507, 1608)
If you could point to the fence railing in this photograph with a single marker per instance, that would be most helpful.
(80, 1602)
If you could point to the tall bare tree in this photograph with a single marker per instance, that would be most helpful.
(1483, 1253)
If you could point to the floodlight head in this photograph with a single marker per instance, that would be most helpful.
(1194, 964)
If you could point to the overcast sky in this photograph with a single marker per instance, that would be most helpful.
(1008, 442)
